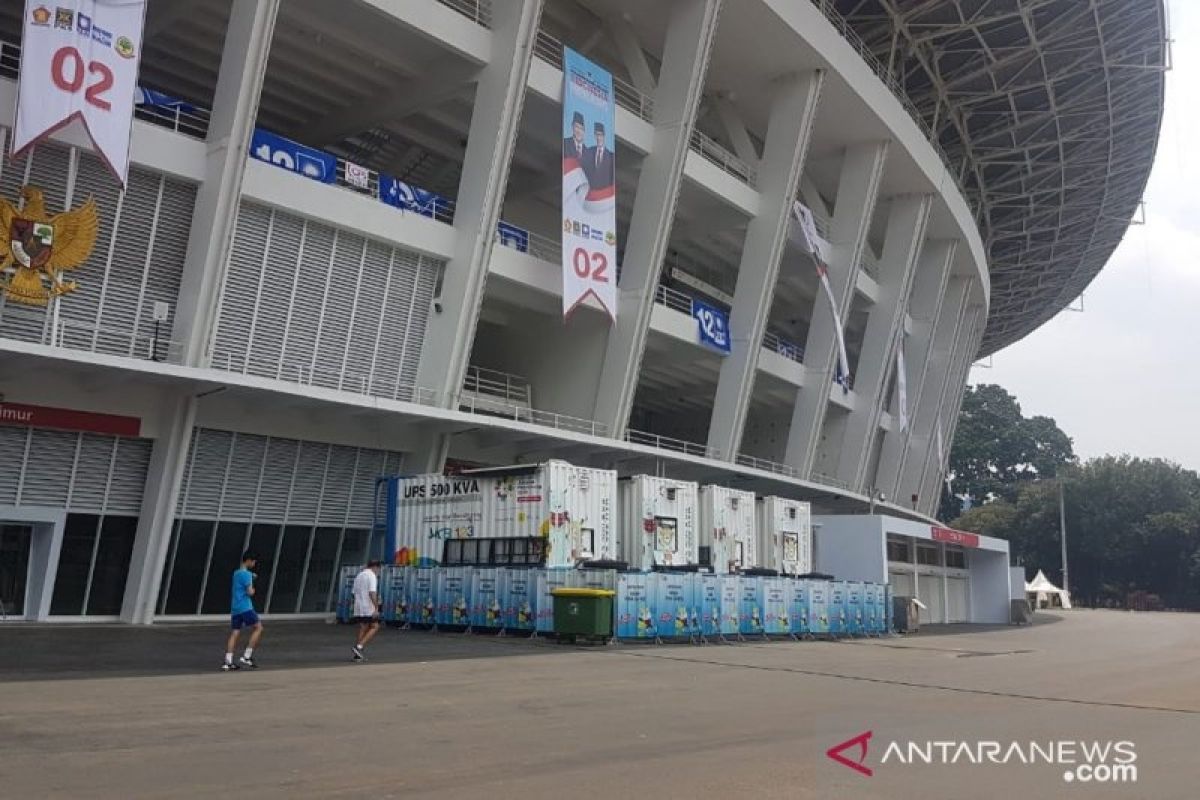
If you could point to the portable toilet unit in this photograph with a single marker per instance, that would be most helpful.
(785, 535)
(551, 514)
(728, 529)
(659, 522)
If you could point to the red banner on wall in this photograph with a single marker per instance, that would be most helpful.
(954, 537)
(68, 420)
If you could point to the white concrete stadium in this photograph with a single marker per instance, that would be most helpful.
(972, 162)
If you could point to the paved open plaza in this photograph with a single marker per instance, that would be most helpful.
(124, 712)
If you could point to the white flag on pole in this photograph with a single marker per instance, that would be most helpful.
(941, 451)
(901, 385)
(79, 66)
(803, 233)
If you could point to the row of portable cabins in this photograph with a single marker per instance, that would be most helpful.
(647, 605)
(558, 514)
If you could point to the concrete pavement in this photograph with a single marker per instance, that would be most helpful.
(122, 712)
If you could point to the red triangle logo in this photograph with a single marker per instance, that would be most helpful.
(861, 740)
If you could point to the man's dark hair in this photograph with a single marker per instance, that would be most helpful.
(249, 556)
(374, 562)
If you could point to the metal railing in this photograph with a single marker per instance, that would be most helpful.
(783, 347)
(829, 480)
(477, 404)
(71, 335)
(494, 383)
(674, 445)
(628, 96)
(767, 466)
(714, 152)
(478, 11)
(442, 209)
(539, 246)
(673, 299)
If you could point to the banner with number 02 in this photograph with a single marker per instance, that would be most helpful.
(589, 189)
(79, 66)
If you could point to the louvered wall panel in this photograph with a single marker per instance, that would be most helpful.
(310, 477)
(273, 495)
(339, 481)
(371, 464)
(138, 258)
(210, 456)
(75, 471)
(241, 488)
(317, 308)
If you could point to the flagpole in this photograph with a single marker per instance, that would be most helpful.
(1062, 527)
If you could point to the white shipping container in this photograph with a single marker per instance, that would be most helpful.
(728, 528)
(570, 510)
(785, 535)
(659, 522)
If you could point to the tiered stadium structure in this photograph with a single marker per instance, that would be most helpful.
(271, 343)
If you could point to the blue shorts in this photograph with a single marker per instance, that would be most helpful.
(246, 619)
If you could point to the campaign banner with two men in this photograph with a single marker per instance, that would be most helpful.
(589, 188)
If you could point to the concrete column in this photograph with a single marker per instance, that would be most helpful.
(902, 241)
(858, 189)
(925, 308)
(935, 471)
(499, 100)
(789, 129)
(690, 33)
(235, 107)
(920, 441)
(168, 460)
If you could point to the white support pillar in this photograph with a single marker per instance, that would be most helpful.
(858, 189)
(907, 220)
(168, 460)
(743, 145)
(690, 33)
(925, 307)
(632, 55)
(935, 471)
(789, 130)
(921, 439)
(499, 99)
(235, 108)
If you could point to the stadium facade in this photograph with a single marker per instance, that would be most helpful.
(265, 326)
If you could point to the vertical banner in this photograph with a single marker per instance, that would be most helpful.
(901, 385)
(589, 188)
(712, 326)
(79, 63)
(805, 236)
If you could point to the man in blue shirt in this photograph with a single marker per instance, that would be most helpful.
(241, 610)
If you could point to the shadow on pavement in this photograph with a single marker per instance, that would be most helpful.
(58, 652)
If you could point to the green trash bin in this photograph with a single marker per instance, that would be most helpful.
(583, 612)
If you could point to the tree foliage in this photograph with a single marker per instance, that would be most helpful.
(1132, 524)
(996, 449)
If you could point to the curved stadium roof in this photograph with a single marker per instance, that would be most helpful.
(1050, 112)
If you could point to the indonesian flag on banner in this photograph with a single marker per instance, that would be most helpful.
(79, 66)
(901, 385)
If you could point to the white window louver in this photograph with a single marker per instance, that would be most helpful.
(304, 302)
(138, 257)
(81, 472)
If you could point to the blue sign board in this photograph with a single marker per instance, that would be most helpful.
(798, 606)
(514, 237)
(674, 603)
(713, 326)
(293, 156)
(415, 199)
(634, 606)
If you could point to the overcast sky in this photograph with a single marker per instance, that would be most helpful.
(1123, 376)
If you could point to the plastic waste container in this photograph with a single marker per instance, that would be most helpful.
(583, 612)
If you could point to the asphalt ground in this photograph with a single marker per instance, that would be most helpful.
(109, 711)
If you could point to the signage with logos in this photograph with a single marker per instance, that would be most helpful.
(358, 176)
(79, 67)
(512, 236)
(589, 185)
(954, 537)
(405, 196)
(293, 156)
(712, 326)
(68, 420)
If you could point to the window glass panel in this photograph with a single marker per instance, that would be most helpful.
(898, 551)
(354, 548)
(226, 557)
(263, 541)
(74, 561)
(166, 573)
(320, 570)
(289, 572)
(112, 565)
(376, 548)
(956, 559)
(927, 555)
(191, 556)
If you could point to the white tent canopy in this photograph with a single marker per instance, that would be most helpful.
(1041, 592)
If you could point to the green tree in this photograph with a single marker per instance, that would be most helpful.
(996, 449)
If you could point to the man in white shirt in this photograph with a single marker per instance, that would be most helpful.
(366, 607)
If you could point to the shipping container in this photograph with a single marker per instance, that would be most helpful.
(728, 529)
(659, 522)
(553, 514)
(785, 535)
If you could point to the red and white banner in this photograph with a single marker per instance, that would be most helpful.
(589, 185)
(79, 66)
